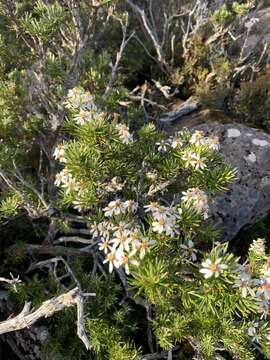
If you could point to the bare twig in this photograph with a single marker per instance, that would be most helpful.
(151, 102)
(74, 8)
(152, 33)
(52, 265)
(124, 43)
(75, 239)
(32, 212)
(25, 183)
(145, 49)
(196, 18)
(53, 250)
(12, 281)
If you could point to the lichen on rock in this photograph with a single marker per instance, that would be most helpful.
(248, 198)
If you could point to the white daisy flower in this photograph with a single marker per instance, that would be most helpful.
(114, 185)
(120, 227)
(252, 331)
(78, 98)
(124, 134)
(104, 246)
(114, 208)
(143, 247)
(126, 260)
(243, 283)
(62, 177)
(121, 240)
(161, 212)
(78, 205)
(113, 258)
(265, 271)
(198, 163)
(135, 237)
(59, 153)
(130, 206)
(101, 230)
(70, 185)
(162, 146)
(263, 308)
(83, 117)
(197, 138)
(188, 158)
(212, 268)
(164, 226)
(73, 97)
(153, 206)
(177, 143)
(197, 198)
(213, 142)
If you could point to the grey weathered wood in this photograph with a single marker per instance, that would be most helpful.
(186, 108)
(28, 316)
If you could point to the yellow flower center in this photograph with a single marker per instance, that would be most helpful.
(161, 222)
(213, 267)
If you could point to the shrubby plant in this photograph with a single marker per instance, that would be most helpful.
(97, 199)
(147, 201)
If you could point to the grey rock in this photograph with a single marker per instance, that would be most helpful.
(248, 198)
(260, 32)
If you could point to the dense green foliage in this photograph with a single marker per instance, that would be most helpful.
(90, 185)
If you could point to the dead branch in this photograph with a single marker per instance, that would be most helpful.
(52, 265)
(125, 40)
(13, 281)
(74, 8)
(74, 231)
(189, 106)
(26, 202)
(28, 316)
(25, 183)
(159, 187)
(152, 33)
(145, 49)
(150, 102)
(194, 21)
(165, 90)
(75, 239)
(57, 249)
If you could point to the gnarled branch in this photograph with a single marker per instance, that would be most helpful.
(28, 316)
